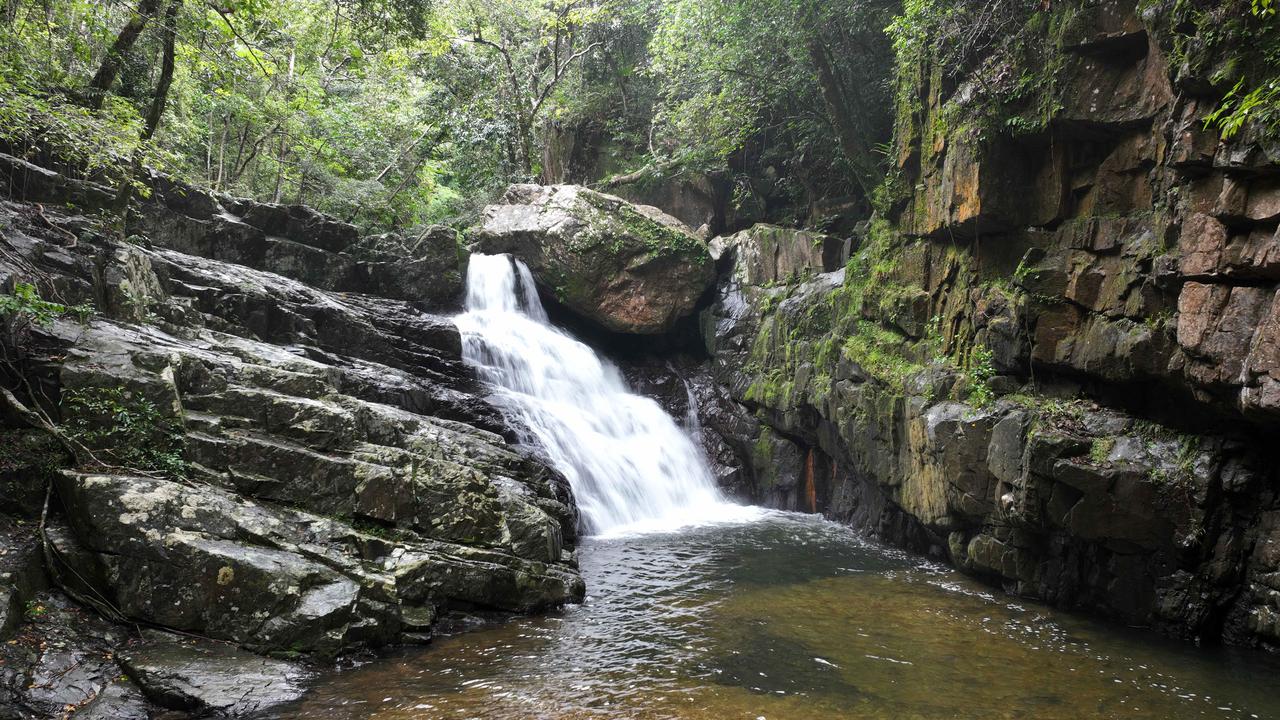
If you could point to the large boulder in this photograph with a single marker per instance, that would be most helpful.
(629, 268)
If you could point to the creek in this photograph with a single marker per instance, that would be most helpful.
(700, 608)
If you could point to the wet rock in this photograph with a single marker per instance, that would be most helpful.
(62, 661)
(629, 268)
(209, 678)
(727, 431)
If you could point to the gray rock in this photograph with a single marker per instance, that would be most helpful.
(331, 463)
(210, 678)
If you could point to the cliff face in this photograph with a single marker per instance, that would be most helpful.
(1054, 358)
(256, 455)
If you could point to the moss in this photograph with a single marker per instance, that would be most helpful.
(615, 222)
(1101, 449)
(880, 352)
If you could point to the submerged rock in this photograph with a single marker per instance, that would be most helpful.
(628, 268)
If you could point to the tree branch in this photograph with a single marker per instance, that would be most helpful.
(253, 50)
(560, 73)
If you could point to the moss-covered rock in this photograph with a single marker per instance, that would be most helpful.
(629, 268)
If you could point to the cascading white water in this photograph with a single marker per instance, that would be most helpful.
(631, 467)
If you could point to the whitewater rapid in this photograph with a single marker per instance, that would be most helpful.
(633, 469)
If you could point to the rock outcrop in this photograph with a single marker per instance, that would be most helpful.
(627, 268)
(1052, 361)
(269, 458)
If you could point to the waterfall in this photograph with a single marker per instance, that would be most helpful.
(692, 425)
(631, 466)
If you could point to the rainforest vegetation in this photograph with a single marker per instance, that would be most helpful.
(392, 113)
(398, 112)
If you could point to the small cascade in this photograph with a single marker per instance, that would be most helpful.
(692, 425)
(632, 468)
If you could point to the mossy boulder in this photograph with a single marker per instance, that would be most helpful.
(628, 268)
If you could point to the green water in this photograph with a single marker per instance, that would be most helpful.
(793, 617)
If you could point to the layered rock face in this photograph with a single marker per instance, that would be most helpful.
(628, 268)
(1053, 360)
(322, 472)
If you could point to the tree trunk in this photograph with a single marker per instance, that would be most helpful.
(280, 165)
(124, 194)
(222, 152)
(282, 150)
(855, 147)
(106, 75)
(161, 96)
(526, 146)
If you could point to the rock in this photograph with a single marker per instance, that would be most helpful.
(204, 677)
(204, 561)
(28, 181)
(629, 268)
(63, 656)
(425, 268)
(1216, 326)
(300, 224)
(119, 700)
(321, 465)
(768, 254)
(728, 432)
(22, 574)
(302, 244)
(698, 201)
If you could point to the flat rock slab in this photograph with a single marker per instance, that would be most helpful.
(209, 677)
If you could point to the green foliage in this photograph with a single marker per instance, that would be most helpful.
(392, 113)
(796, 86)
(125, 429)
(979, 370)
(1006, 55)
(1235, 45)
(1261, 104)
(50, 125)
(34, 610)
(26, 302)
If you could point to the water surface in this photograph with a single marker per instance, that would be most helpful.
(794, 617)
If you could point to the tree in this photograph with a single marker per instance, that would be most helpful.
(536, 45)
(161, 95)
(776, 83)
(111, 62)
